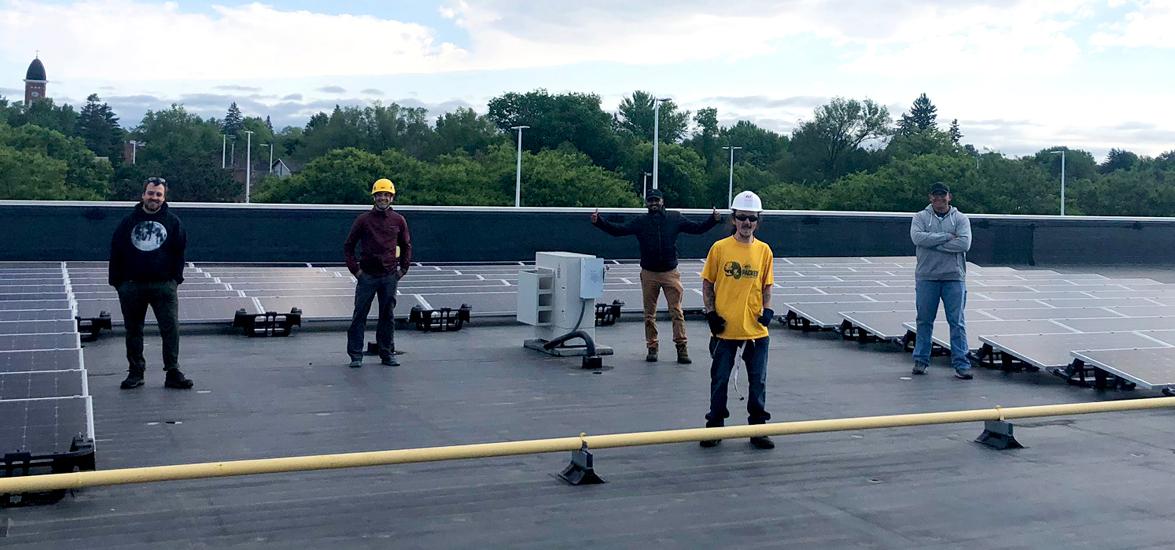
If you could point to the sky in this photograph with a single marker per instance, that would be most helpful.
(1019, 75)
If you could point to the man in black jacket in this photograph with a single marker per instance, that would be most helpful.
(656, 232)
(146, 267)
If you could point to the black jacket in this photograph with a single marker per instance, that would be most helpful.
(657, 235)
(148, 247)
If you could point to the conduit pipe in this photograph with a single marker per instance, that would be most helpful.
(75, 480)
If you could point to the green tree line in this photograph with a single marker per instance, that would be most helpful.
(851, 154)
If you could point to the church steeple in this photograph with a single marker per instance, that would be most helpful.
(34, 82)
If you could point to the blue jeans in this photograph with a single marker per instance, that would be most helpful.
(724, 353)
(954, 300)
(367, 288)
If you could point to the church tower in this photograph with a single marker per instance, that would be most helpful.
(34, 82)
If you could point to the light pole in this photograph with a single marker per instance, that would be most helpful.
(135, 149)
(645, 185)
(1062, 153)
(232, 153)
(656, 135)
(223, 149)
(518, 170)
(270, 145)
(730, 185)
(248, 163)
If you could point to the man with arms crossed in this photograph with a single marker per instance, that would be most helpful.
(942, 237)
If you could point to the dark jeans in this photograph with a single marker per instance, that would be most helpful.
(134, 297)
(724, 353)
(366, 289)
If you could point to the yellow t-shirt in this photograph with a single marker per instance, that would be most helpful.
(740, 272)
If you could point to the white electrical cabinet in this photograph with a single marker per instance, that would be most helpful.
(558, 295)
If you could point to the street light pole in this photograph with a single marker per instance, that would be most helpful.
(656, 136)
(270, 145)
(518, 169)
(223, 149)
(730, 184)
(248, 163)
(1062, 153)
(645, 185)
(135, 150)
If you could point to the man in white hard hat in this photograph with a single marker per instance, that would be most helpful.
(656, 232)
(942, 237)
(736, 290)
(385, 253)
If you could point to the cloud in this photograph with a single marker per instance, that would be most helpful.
(333, 90)
(237, 88)
(11, 92)
(88, 41)
(371, 91)
(764, 102)
(1149, 25)
(292, 97)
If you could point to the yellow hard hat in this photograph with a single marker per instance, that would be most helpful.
(383, 185)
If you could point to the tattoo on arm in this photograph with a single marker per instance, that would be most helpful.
(766, 295)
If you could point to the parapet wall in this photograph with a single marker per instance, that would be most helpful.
(45, 230)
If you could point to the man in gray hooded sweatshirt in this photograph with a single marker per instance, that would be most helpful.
(942, 237)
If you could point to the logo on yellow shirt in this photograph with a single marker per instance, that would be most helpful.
(737, 271)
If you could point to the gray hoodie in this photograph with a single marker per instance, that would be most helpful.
(941, 245)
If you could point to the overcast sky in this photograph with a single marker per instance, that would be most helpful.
(1019, 75)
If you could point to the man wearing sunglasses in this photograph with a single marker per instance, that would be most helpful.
(942, 237)
(736, 290)
(656, 232)
(147, 267)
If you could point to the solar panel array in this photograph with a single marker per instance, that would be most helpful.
(44, 397)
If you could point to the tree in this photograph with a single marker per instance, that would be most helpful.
(233, 121)
(823, 148)
(46, 114)
(635, 115)
(98, 127)
(185, 150)
(576, 119)
(31, 176)
(705, 139)
(1118, 159)
(1078, 164)
(954, 133)
(341, 176)
(463, 129)
(923, 115)
(86, 177)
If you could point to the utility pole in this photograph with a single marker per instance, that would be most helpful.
(248, 163)
(518, 171)
(730, 184)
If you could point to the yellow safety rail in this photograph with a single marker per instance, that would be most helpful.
(48, 482)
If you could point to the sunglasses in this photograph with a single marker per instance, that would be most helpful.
(746, 218)
(156, 180)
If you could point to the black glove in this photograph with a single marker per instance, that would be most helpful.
(717, 323)
(767, 316)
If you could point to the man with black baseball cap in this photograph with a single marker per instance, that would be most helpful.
(656, 232)
(942, 237)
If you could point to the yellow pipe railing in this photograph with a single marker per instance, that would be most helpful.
(48, 482)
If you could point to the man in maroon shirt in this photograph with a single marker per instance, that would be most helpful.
(385, 252)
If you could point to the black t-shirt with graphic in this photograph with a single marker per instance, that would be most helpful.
(148, 247)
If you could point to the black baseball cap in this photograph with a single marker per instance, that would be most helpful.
(939, 188)
(654, 194)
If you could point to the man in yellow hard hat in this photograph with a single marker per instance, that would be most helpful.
(385, 251)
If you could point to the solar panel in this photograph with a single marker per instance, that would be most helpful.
(1149, 368)
(35, 314)
(1048, 313)
(44, 426)
(11, 305)
(41, 384)
(17, 342)
(975, 329)
(37, 327)
(1116, 324)
(1053, 350)
(40, 360)
(339, 307)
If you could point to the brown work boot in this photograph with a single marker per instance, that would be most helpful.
(683, 354)
(652, 356)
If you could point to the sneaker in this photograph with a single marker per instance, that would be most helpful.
(356, 363)
(389, 361)
(707, 443)
(920, 368)
(963, 374)
(762, 442)
(177, 381)
(683, 355)
(652, 356)
(132, 381)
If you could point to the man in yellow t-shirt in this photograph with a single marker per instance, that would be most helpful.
(736, 289)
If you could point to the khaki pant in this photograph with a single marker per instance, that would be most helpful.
(652, 283)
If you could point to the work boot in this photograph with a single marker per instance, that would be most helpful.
(920, 368)
(176, 380)
(683, 355)
(389, 361)
(762, 442)
(707, 443)
(355, 363)
(652, 356)
(963, 374)
(133, 380)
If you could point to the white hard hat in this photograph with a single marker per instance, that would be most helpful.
(747, 202)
